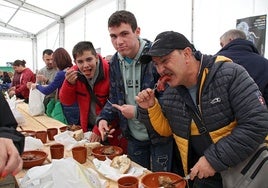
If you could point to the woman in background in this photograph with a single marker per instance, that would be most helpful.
(23, 76)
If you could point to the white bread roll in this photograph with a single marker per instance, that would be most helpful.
(78, 135)
(122, 163)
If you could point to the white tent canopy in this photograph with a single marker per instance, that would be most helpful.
(23, 21)
(29, 18)
(30, 26)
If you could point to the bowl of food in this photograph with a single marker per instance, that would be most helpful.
(101, 152)
(33, 158)
(73, 127)
(162, 179)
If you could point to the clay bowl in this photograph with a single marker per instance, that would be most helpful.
(101, 152)
(63, 129)
(74, 127)
(33, 158)
(28, 133)
(151, 180)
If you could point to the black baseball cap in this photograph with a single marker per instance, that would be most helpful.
(165, 43)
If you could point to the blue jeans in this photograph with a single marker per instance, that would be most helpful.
(72, 114)
(154, 157)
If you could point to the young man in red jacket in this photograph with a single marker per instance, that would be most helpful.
(87, 83)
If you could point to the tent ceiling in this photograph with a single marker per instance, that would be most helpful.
(27, 18)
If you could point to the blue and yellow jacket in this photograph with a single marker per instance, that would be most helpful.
(231, 107)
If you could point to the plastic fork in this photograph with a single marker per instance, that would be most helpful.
(155, 87)
(109, 102)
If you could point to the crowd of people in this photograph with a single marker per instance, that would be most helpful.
(5, 80)
(119, 99)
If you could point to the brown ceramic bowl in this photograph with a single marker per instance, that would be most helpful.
(74, 127)
(128, 182)
(57, 151)
(51, 132)
(63, 129)
(80, 154)
(28, 133)
(33, 158)
(151, 180)
(101, 152)
(42, 135)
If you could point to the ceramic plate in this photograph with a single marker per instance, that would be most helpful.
(33, 158)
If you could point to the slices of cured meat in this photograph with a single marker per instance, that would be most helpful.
(162, 82)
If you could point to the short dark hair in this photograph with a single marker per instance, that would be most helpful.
(19, 62)
(123, 16)
(5, 74)
(82, 46)
(62, 59)
(48, 52)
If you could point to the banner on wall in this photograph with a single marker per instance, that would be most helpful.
(255, 29)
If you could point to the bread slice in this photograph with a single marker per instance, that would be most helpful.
(78, 135)
(122, 163)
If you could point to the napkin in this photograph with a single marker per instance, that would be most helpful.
(32, 143)
(111, 173)
(66, 138)
(65, 173)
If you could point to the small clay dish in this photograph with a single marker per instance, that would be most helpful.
(33, 158)
(74, 127)
(101, 152)
(152, 180)
(63, 129)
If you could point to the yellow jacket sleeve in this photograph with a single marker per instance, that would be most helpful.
(158, 120)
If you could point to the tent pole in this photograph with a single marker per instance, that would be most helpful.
(192, 23)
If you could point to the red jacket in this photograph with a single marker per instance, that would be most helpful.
(69, 94)
(26, 76)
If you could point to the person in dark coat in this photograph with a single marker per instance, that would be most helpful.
(11, 141)
(243, 52)
(128, 76)
(213, 90)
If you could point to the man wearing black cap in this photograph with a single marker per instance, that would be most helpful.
(213, 108)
